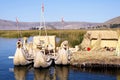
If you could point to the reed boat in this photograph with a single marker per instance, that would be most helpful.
(63, 55)
(44, 45)
(22, 57)
(43, 51)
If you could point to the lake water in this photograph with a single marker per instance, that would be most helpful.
(9, 72)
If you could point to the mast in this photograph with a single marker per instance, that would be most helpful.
(42, 23)
(18, 29)
(62, 35)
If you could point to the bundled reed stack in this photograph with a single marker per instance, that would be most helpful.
(117, 52)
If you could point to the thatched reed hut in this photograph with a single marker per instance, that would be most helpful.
(96, 39)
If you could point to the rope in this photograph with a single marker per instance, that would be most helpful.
(42, 24)
(62, 32)
(42, 16)
(18, 29)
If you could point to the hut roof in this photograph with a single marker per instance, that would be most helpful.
(105, 34)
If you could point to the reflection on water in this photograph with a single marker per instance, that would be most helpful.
(42, 74)
(66, 73)
(52, 73)
(61, 73)
(20, 72)
(108, 73)
(118, 77)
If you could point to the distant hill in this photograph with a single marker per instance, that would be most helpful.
(113, 23)
(115, 20)
(11, 25)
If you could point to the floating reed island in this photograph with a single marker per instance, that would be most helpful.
(98, 49)
(95, 59)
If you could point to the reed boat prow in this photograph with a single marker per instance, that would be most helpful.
(45, 46)
(42, 60)
(63, 54)
(21, 56)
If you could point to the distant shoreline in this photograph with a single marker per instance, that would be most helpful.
(74, 37)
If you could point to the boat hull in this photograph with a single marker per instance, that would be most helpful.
(62, 57)
(41, 60)
(19, 58)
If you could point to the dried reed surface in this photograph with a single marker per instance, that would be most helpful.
(95, 57)
(105, 34)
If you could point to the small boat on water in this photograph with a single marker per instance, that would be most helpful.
(43, 51)
(44, 46)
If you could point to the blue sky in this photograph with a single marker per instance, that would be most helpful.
(71, 10)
